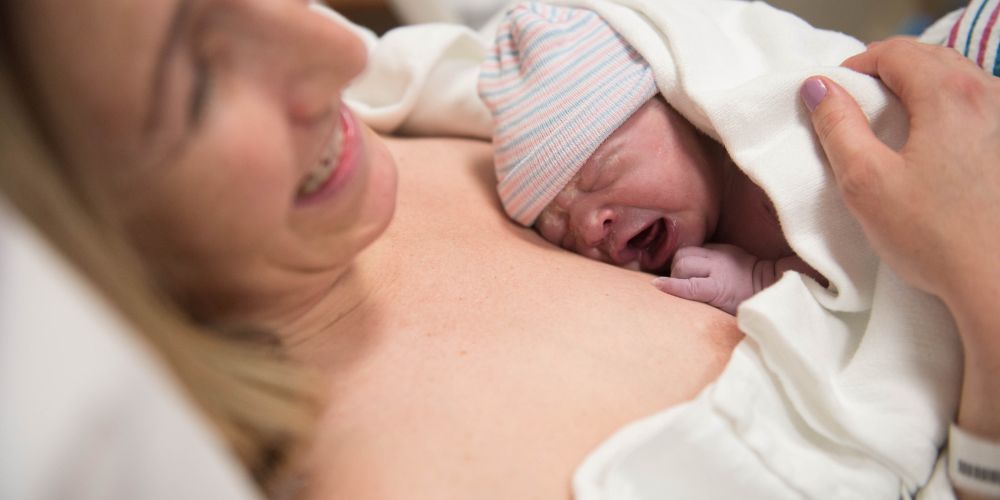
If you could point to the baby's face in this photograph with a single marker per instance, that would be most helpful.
(652, 187)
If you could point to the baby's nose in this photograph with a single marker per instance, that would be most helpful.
(595, 226)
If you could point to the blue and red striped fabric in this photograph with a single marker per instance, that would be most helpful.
(558, 81)
(976, 36)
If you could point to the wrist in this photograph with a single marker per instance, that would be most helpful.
(971, 291)
(979, 407)
(973, 303)
(973, 463)
(979, 410)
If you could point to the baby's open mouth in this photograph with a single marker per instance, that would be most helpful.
(647, 238)
(651, 244)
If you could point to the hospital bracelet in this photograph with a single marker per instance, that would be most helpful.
(973, 463)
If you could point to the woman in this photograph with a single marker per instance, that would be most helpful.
(258, 201)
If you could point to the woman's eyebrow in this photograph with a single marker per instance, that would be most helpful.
(154, 108)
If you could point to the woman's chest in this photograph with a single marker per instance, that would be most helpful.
(500, 379)
(475, 418)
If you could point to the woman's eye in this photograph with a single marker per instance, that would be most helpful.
(200, 90)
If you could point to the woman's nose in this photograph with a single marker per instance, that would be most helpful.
(323, 56)
(594, 225)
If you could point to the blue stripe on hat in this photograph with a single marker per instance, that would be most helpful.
(587, 110)
(544, 63)
(525, 51)
(609, 81)
(541, 160)
(547, 82)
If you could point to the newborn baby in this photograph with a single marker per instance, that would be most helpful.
(590, 154)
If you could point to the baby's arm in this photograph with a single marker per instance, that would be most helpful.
(725, 275)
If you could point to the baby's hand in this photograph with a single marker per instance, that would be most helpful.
(719, 275)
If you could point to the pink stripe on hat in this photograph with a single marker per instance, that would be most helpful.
(559, 81)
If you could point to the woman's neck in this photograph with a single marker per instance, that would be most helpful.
(335, 319)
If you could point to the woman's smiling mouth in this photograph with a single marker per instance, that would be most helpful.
(328, 163)
(337, 162)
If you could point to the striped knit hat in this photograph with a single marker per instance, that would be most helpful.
(559, 81)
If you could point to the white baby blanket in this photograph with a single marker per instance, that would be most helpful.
(844, 392)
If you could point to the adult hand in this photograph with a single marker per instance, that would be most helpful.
(932, 209)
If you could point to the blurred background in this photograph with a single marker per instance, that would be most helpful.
(867, 20)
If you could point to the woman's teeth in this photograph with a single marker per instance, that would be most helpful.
(328, 163)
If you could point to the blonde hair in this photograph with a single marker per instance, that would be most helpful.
(263, 405)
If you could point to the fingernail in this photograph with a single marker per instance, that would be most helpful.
(813, 91)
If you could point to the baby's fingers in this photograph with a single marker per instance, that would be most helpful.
(692, 266)
(698, 289)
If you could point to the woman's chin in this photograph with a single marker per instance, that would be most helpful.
(380, 199)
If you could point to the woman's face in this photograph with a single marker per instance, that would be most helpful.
(216, 129)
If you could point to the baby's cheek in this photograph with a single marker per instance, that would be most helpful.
(592, 253)
(551, 226)
(566, 197)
